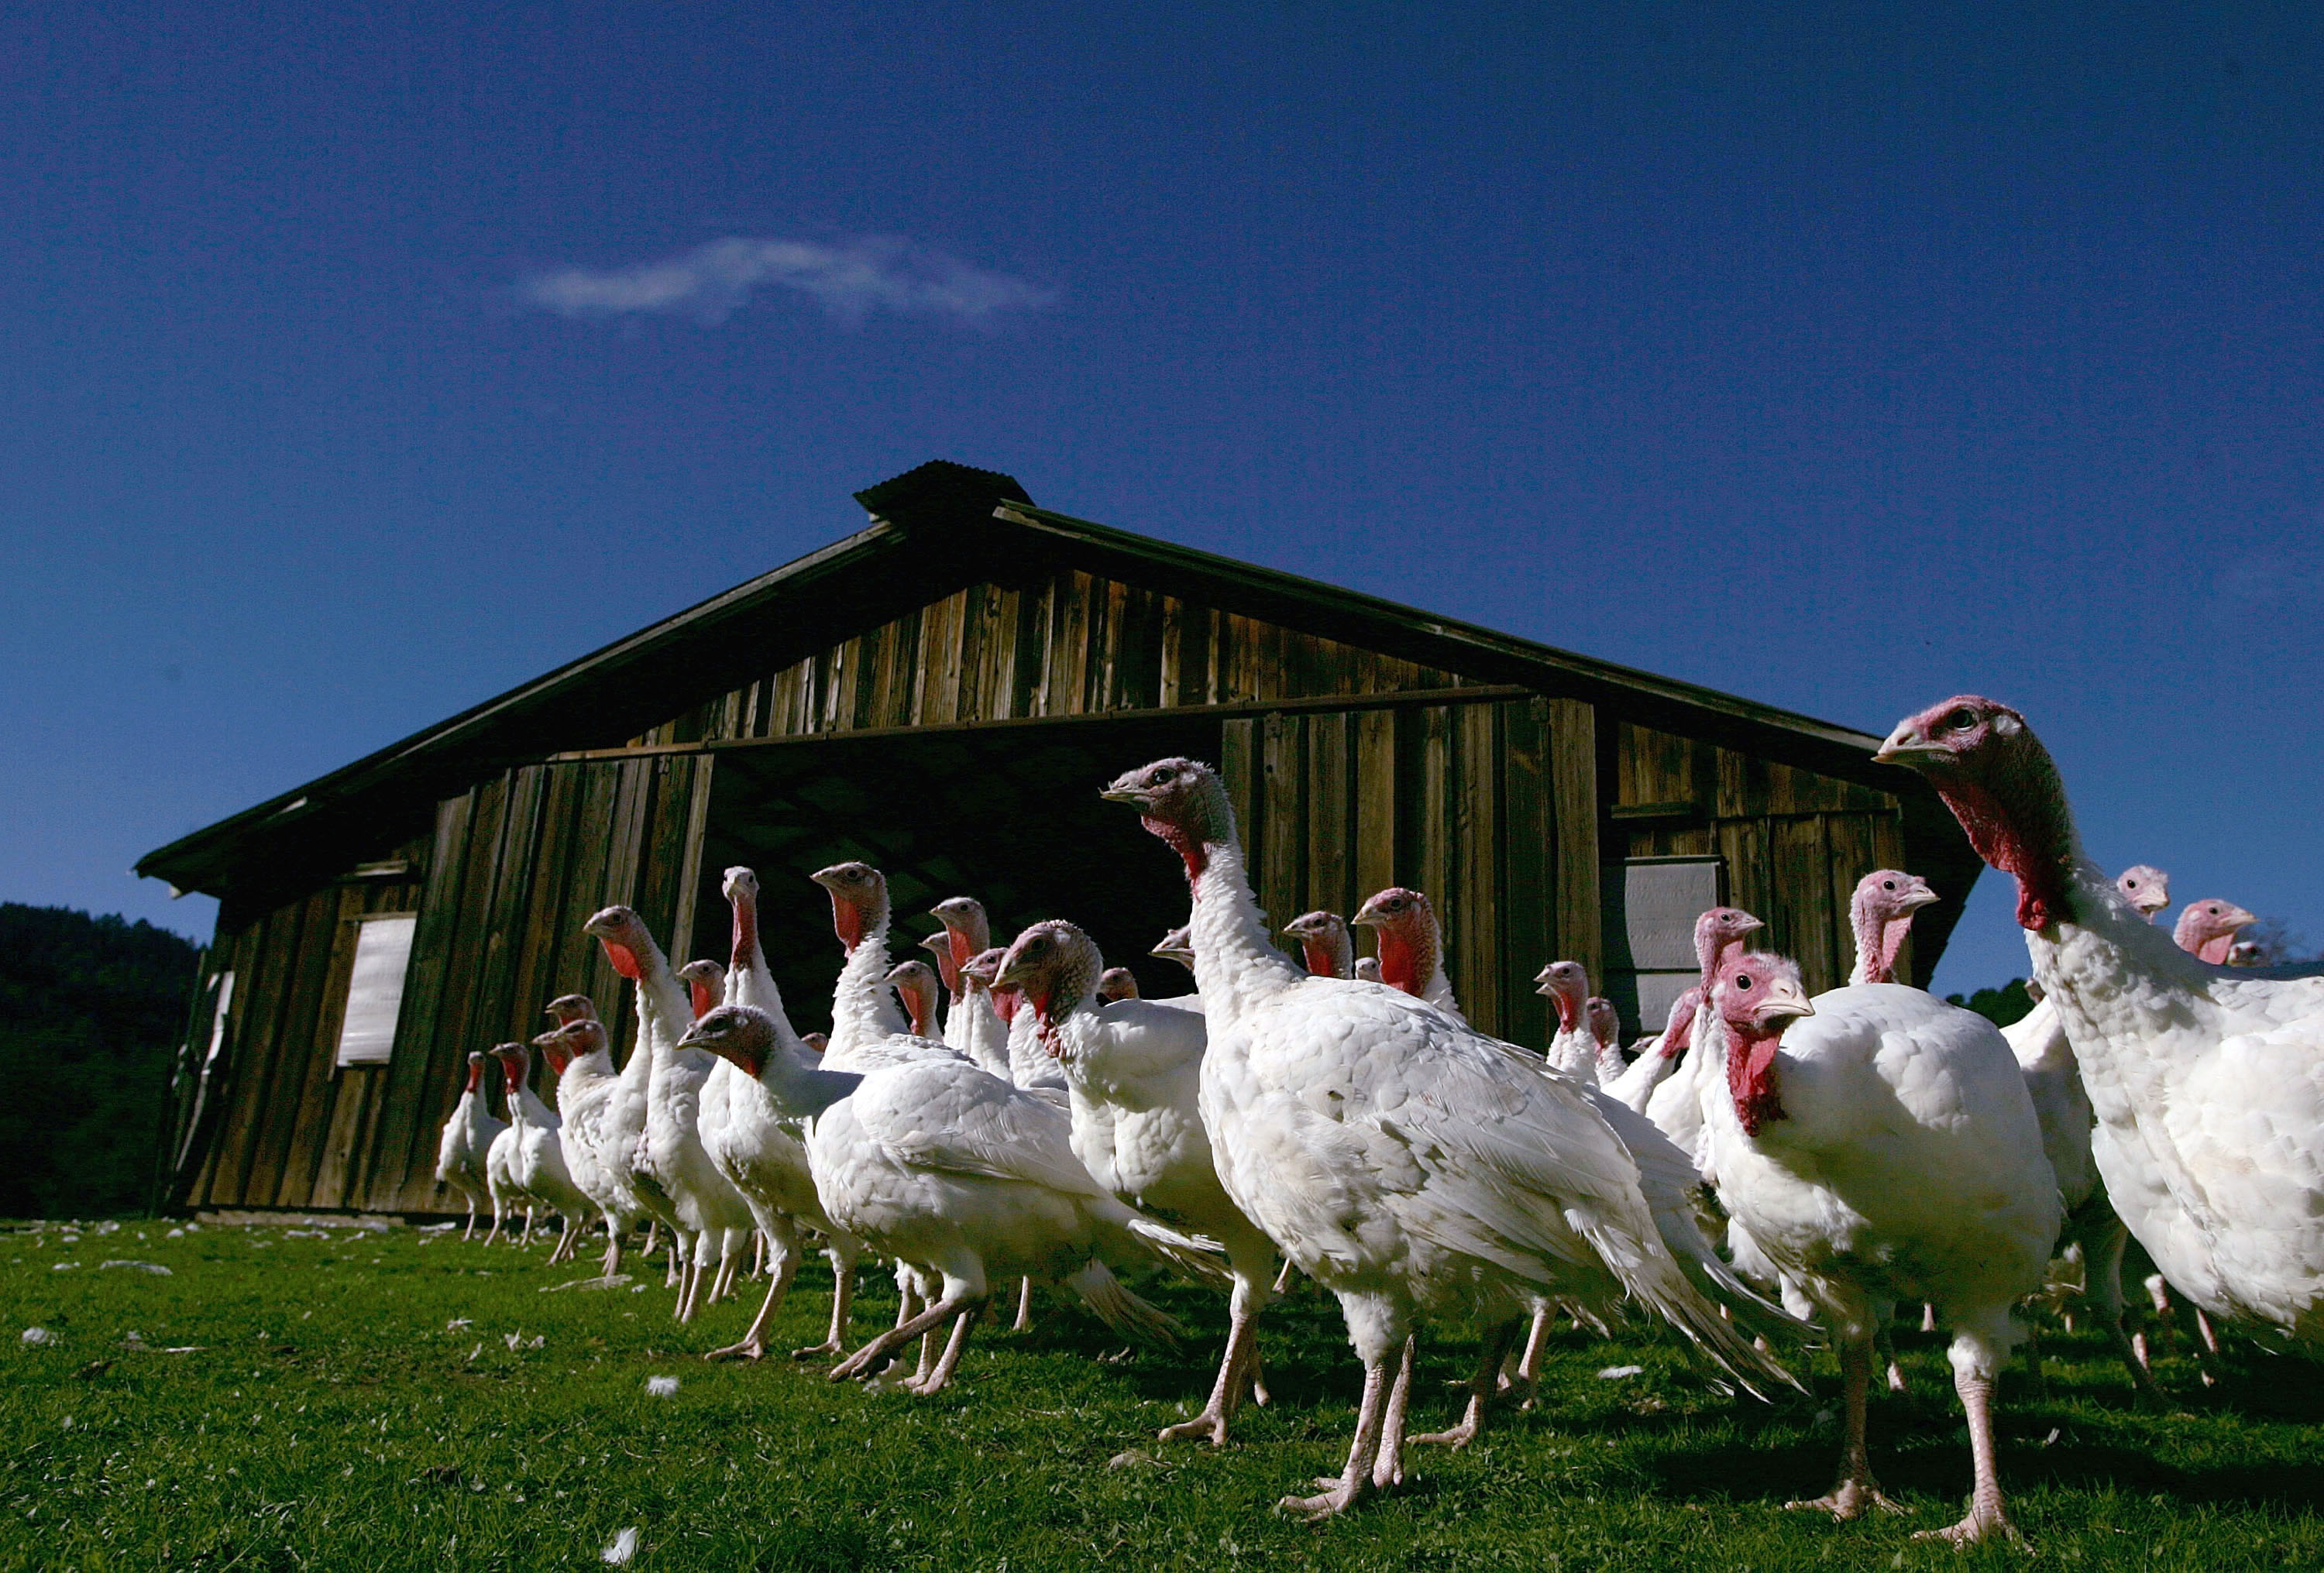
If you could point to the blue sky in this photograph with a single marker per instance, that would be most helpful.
(356, 367)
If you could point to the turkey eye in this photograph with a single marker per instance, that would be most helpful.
(1163, 777)
(1887, 884)
(1960, 721)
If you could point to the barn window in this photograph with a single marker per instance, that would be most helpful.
(375, 988)
(1651, 908)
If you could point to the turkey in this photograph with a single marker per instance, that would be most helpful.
(937, 1164)
(705, 985)
(1605, 1024)
(2208, 1083)
(584, 1093)
(2147, 887)
(1413, 1167)
(1325, 943)
(1410, 943)
(2206, 930)
(536, 1162)
(1878, 1144)
(1571, 1048)
(1176, 947)
(1657, 1056)
(658, 1099)
(758, 1147)
(1676, 1106)
(916, 985)
(1880, 913)
(2246, 954)
(1116, 983)
(983, 1034)
(467, 1137)
(971, 1025)
(1134, 1070)
(868, 1027)
(501, 1182)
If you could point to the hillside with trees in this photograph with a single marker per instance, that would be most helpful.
(91, 1011)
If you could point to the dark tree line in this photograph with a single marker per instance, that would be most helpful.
(91, 1012)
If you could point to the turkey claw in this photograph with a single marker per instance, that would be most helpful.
(1211, 1427)
(1976, 1528)
(1338, 1499)
(1848, 1500)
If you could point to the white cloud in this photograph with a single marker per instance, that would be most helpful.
(849, 279)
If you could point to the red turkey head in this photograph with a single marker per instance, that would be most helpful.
(516, 1069)
(939, 945)
(1177, 946)
(1678, 1031)
(1567, 986)
(819, 1042)
(566, 1044)
(915, 983)
(2246, 954)
(2206, 930)
(1758, 997)
(567, 1008)
(1056, 966)
(1368, 969)
(1406, 937)
(1117, 983)
(979, 970)
(623, 935)
(476, 1071)
(859, 900)
(1881, 912)
(2003, 787)
(740, 1035)
(1719, 936)
(2147, 887)
(966, 930)
(742, 887)
(1325, 943)
(705, 985)
(1182, 802)
(1605, 1021)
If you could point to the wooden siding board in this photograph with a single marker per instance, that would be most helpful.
(1800, 918)
(1528, 930)
(1239, 768)
(1476, 970)
(1574, 810)
(1330, 812)
(1375, 807)
(1849, 840)
(294, 1141)
(1283, 845)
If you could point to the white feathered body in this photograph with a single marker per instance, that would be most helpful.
(2208, 1086)
(1906, 1165)
(466, 1141)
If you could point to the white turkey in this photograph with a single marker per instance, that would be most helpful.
(1325, 943)
(1134, 1071)
(971, 1027)
(983, 1034)
(467, 1137)
(1413, 1167)
(2208, 1083)
(1116, 983)
(915, 986)
(1409, 943)
(1605, 1025)
(658, 1097)
(1658, 1056)
(1571, 1048)
(1676, 1106)
(1884, 1148)
(1880, 913)
(2206, 930)
(536, 1162)
(586, 1088)
(2147, 887)
(934, 1163)
(868, 1026)
(500, 1169)
(758, 1147)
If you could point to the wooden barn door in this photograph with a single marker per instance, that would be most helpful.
(1491, 807)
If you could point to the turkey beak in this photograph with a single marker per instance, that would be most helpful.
(1907, 748)
(1124, 794)
(1783, 1001)
(1923, 897)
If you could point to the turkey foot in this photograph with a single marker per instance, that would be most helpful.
(1356, 1482)
(1481, 1387)
(1976, 1528)
(873, 1354)
(748, 1349)
(1849, 1499)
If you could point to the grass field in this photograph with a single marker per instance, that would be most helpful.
(400, 1400)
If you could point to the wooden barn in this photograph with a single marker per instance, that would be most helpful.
(942, 693)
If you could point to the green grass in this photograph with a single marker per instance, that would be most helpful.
(331, 1418)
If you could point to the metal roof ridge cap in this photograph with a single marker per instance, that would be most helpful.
(1453, 629)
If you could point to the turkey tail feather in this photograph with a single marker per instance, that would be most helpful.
(1122, 1311)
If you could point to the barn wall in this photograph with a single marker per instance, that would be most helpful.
(290, 1119)
(1795, 843)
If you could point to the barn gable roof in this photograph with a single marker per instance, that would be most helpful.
(934, 530)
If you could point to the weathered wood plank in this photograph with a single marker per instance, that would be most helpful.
(1477, 962)
(1527, 922)
(1849, 838)
(1375, 807)
(308, 1107)
(1433, 849)
(433, 955)
(1284, 846)
(1574, 814)
(1801, 918)
(1330, 812)
(1239, 766)
(259, 1049)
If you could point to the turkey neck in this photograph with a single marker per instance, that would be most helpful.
(863, 1008)
(1234, 960)
(1877, 945)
